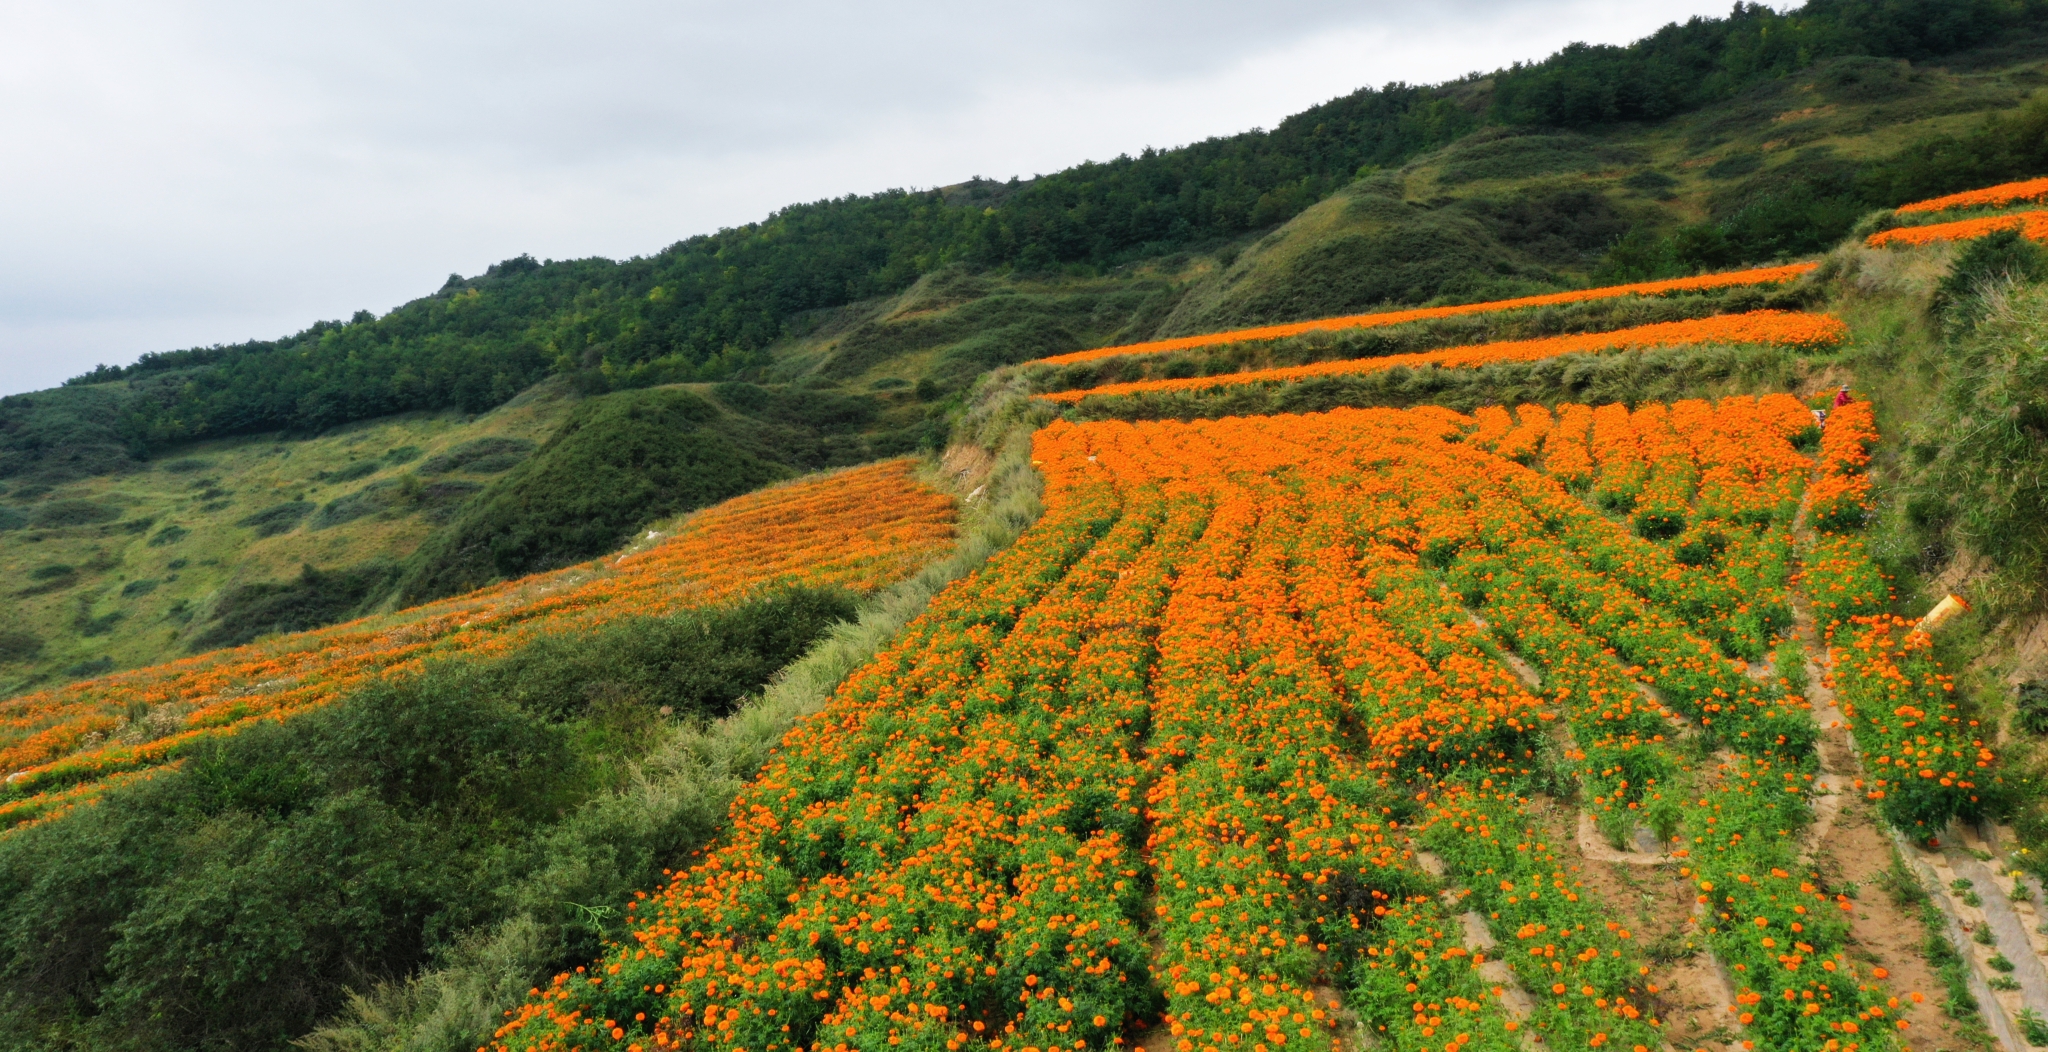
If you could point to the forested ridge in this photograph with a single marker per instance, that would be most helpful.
(705, 308)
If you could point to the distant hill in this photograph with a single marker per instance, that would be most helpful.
(842, 330)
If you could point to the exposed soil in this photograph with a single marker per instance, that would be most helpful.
(1858, 851)
(1655, 904)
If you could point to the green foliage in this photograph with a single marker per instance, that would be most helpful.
(984, 325)
(481, 456)
(1517, 153)
(278, 518)
(357, 470)
(688, 663)
(706, 308)
(168, 536)
(17, 644)
(227, 905)
(58, 514)
(389, 496)
(89, 668)
(1985, 485)
(1809, 204)
(314, 598)
(2033, 1027)
(2030, 707)
(1683, 67)
(1400, 252)
(618, 462)
(63, 434)
(1988, 265)
(623, 460)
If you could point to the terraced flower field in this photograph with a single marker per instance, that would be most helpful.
(1247, 744)
(1759, 276)
(860, 529)
(1784, 328)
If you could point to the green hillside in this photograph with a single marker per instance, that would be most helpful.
(395, 870)
(853, 327)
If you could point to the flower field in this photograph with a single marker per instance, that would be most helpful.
(2033, 225)
(2028, 191)
(1232, 751)
(860, 529)
(1759, 276)
(1755, 327)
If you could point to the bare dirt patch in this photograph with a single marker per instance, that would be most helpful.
(1858, 852)
(1655, 903)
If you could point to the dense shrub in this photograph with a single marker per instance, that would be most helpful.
(1988, 264)
(616, 463)
(61, 513)
(1983, 489)
(314, 598)
(19, 644)
(482, 456)
(230, 904)
(278, 518)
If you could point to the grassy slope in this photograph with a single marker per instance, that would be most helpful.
(1497, 214)
(134, 599)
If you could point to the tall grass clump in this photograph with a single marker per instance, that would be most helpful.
(1981, 482)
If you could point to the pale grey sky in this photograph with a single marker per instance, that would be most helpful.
(190, 172)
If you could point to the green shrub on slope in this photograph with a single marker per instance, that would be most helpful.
(617, 463)
(229, 904)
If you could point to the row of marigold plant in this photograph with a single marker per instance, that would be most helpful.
(859, 529)
(1782, 328)
(1759, 276)
(1139, 724)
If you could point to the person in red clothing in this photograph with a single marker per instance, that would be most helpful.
(1842, 397)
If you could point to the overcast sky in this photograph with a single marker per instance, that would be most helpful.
(177, 173)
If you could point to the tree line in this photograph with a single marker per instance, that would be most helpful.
(705, 308)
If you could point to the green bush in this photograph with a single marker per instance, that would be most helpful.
(230, 904)
(1988, 264)
(1514, 153)
(278, 518)
(87, 669)
(357, 470)
(314, 598)
(692, 663)
(61, 513)
(1988, 439)
(617, 463)
(19, 644)
(388, 496)
(2030, 707)
(482, 456)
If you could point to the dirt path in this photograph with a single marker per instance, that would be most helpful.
(1688, 991)
(1514, 1001)
(1856, 849)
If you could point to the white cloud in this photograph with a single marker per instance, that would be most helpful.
(201, 172)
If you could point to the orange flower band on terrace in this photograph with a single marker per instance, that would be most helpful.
(1764, 276)
(2033, 225)
(860, 529)
(1989, 197)
(1771, 327)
